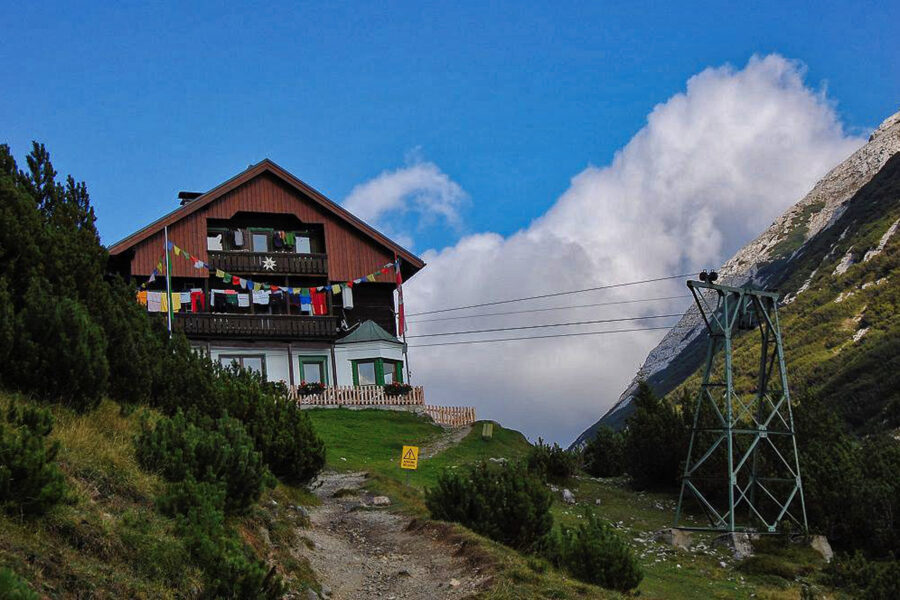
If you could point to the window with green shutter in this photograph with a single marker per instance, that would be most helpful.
(377, 371)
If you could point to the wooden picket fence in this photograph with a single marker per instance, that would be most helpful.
(455, 416)
(346, 395)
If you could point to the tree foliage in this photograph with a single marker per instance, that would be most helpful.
(604, 455)
(551, 463)
(655, 442)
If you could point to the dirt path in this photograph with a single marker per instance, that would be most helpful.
(360, 551)
(448, 438)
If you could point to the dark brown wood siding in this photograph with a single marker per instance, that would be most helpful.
(373, 301)
(350, 254)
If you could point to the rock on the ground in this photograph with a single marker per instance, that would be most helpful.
(820, 544)
(677, 538)
(598, 502)
(381, 501)
(311, 594)
(568, 497)
(738, 543)
(454, 583)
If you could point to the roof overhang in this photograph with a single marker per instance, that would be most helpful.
(263, 167)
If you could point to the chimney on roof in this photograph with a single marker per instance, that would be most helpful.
(185, 197)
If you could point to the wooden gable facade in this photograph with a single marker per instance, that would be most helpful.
(352, 247)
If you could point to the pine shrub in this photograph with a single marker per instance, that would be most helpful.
(551, 463)
(594, 553)
(13, 588)
(211, 451)
(60, 352)
(866, 579)
(503, 502)
(30, 480)
(230, 569)
(604, 455)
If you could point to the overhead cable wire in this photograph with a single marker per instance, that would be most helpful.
(551, 295)
(556, 308)
(573, 323)
(539, 337)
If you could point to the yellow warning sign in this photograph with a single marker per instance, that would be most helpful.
(410, 457)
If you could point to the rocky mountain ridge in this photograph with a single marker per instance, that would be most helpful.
(767, 261)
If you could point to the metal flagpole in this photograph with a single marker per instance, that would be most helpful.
(401, 313)
(168, 280)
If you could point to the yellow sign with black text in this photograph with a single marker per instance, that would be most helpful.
(409, 459)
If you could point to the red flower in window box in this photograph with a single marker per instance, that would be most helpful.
(310, 389)
(397, 389)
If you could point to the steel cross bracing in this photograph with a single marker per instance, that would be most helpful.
(742, 468)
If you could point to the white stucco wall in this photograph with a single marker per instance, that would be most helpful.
(277, 364)
(344, 353)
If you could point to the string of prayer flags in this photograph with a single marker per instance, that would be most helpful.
(247, 284)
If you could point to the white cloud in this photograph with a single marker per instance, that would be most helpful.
(711, 169)
(419, 190)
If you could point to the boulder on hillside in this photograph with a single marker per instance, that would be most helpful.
(738, 543)
(677, 538)
(820, 544)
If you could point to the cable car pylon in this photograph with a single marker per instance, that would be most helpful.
(742, 467)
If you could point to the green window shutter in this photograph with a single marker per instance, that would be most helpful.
(355, 373)
(379, 371)
(398, 371)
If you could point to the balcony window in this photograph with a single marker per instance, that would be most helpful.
(214, 240)
(260, 242)
(303, 245)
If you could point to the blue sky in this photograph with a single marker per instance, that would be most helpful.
(522, 148)
(510, 100)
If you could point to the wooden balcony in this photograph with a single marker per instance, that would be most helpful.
(289, 327)
(287, 263)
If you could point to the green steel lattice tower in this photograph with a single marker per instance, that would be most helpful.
(742, 468)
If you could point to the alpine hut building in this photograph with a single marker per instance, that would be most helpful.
(268, 273)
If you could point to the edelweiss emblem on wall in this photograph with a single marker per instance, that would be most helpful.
(269, 263)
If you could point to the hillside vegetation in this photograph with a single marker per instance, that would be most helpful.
(108, 539)
(372, 440)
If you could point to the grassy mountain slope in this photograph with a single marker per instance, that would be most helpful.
(842, 335)
(109, 540)
(809, 271)
(371, 440)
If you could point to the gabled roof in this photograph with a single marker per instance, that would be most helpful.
(368, 331)
(265, 166)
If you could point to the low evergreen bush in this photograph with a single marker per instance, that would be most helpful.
(230, 569)
(210, 451)
(594, 553)
(30, 480)
(551, 463)
(503, 502)
(13, 588)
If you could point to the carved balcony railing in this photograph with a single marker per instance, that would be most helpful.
(278, 262)
(256, 326)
